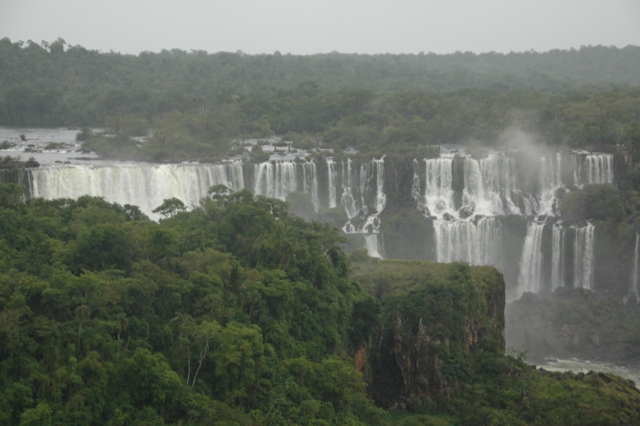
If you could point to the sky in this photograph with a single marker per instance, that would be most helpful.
(321, 26)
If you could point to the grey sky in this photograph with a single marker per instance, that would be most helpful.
(304, 27)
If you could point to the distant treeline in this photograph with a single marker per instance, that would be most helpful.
(377, 103)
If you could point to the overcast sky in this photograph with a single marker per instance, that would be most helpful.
(315, 26)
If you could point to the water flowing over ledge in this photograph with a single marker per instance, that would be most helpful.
(467, 201)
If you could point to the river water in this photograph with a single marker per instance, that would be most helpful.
(38, 138)
(630, 372)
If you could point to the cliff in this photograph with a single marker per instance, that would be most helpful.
(574, 323)
(438, 352)
(436, 318)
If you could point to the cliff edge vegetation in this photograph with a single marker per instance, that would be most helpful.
(239, 313)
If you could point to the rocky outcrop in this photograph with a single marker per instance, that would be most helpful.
(574, 323)
(436, 319)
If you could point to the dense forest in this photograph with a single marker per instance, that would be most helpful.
(197, 104)
(239, 312)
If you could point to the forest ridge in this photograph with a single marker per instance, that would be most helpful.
(196, 104)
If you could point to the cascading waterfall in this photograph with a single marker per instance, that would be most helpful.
(530, 279)
(331, 179)
(348, 200)
(465, 241)
(464, 198)
(583, 260)
(374, 245)
(146, 186)
(558, 235)
(275, 179)
(599, 168)
(576, 165)
(550, 182)
(310, 183)
(416, 193)
(438, 195)
(633, 284)
(489, 185)
(363, 216)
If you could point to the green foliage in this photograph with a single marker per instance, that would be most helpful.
(595, 201)
(170, 207)
(193, 104)
(84, 134)
(109, 318)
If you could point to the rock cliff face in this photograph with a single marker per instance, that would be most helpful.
(574, 323)
(436, 318)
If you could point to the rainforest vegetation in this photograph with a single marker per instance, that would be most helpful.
(195, 104)
(238, 312)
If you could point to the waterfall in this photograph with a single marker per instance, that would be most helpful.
(416, 194)
(599, 168)
(310, 183)
(464, 198)
(465, 241)
(550, 182)
(363, 196)
(576, 165)
(381, 198)
(348, 201)
(332, 176)
(275, 179)
(143, 185)
(489, 185)
(438, 196)
(633, 284)
(583, 257)
(557, 257)
(530, 279)
(373, 243)
(595, 167)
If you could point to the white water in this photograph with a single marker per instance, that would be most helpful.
(373, 244)
(488, 188)
(331, 178)
(438, 196)
(490, 184)
(583, 261)
(348, 201)
(599, 168)
(550, 182)
(530, 279)
(465, 241)
(275, 179)
(558, 235)
(594, 167)
(143, 185)
(633, 284)
(148, 185)
(630, 372)
(310, 183)
(367, 184)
